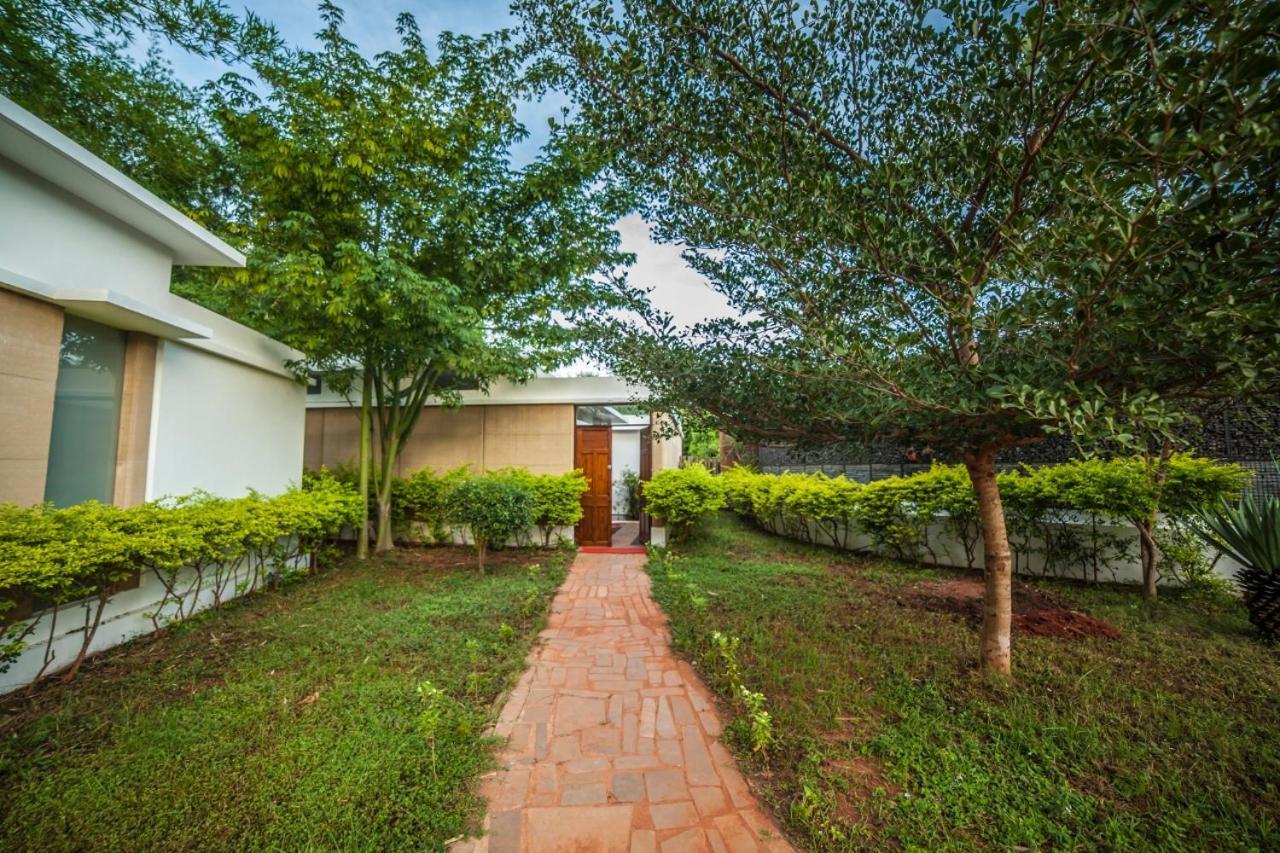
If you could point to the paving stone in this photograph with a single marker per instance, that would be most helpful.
(583, 795)
(611, 740)
(709, 801)
(627, 787)
(644, 841)
(697, 760)
(599, 829)
(504, 832)
(673, 815)
(663, 785)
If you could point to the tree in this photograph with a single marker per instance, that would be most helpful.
(72, 63)
(966, 225)
(390, 238)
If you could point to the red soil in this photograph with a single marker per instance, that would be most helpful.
(1034, 612)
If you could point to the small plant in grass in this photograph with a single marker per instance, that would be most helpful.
(531, 604)
(431, 716)
(726, 649)
(759, 723)
(496, 509)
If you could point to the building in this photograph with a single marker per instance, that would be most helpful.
(111, 387)
(549, 425)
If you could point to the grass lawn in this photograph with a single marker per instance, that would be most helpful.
(289, 720)
(1165, 738)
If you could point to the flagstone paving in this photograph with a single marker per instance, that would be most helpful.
(613, 744)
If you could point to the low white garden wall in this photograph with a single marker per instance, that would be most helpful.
(1116, 561)
(127, 615)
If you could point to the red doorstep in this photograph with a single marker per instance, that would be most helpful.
(601, 549)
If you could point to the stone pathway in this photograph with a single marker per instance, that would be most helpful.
(614, 744)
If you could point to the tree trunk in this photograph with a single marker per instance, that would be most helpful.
(366, 441)
(386, 477)
(89, 632)
(1150, 557)
(386, 539)
(1147, 527)
(997, 610)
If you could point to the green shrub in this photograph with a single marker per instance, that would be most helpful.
(85, 553)
(679, 497)
(557, 501)
(896, 513)
(1250, 532)
(496, 508)
(423, 499)
(631, 487)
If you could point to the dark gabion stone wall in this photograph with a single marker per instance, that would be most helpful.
(1247, 433)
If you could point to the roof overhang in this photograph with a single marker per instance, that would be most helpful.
(109, 307)
(38, 148)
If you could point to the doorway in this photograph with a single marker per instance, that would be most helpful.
(613, 448)
(592, 453)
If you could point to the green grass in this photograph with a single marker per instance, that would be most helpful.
(886, 736)
(288, 721)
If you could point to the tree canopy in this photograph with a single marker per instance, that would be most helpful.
(76, 64)
(967, 224)
(389, 236)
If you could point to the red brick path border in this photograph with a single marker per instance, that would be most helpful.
(613, 743)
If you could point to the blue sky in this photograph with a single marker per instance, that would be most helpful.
(371, 25)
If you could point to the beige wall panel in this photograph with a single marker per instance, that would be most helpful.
(446, 438)
(313, 440)
(30, 337)
(666, 451)
(339, 437)
(137, 393)
(539, 438)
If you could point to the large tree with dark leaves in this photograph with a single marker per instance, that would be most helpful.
(78, 65)
(969, 224)
(389, 236)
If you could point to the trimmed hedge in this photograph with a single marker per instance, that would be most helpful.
(896, 513)
(53, 557)
(557, 498)
(679, 497)
(420, 502)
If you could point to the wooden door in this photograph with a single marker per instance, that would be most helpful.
(593, 449)
(646, 471)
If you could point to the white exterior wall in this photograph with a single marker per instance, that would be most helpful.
(56, 239)
(943, 549)
(222, 426)
(127, 615)
(227, 416)
(626, 457)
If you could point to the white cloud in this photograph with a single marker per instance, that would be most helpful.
(676, 289)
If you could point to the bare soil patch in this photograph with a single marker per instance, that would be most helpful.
(864, 777)
(1035, 612)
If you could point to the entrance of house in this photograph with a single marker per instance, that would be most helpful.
(592, 452)
(613, 450)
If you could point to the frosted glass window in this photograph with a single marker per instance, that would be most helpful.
(86, 413)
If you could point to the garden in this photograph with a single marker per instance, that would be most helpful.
(291, 696)
(955, 232)
(855, 706)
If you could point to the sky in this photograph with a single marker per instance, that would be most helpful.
(676, 288)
